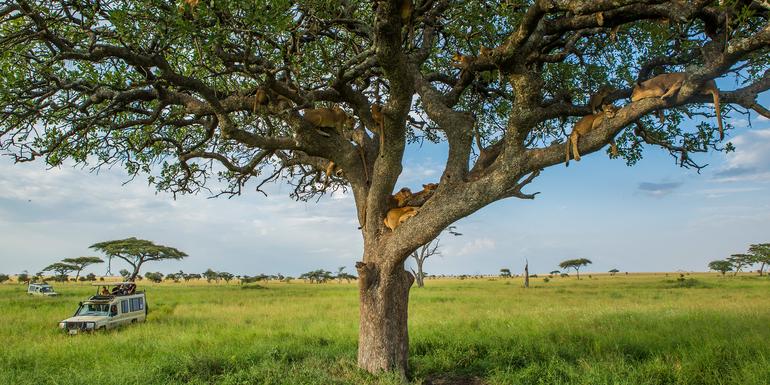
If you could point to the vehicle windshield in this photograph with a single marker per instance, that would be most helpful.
(102, 309)
(46, 289)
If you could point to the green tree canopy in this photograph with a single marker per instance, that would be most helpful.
(761, 253)
(82, 263)
(211, 275)
(721, 266)
(61, 269)
(575, 264)
(192, 91)
(317, 276)
(740, 261)
(137, 252)
(154, 277)
(226, 276)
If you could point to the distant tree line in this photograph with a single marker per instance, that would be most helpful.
(758, 254)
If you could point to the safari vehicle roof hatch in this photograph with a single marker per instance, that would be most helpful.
(118, 289)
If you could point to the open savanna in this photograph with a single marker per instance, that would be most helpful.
(627, 329)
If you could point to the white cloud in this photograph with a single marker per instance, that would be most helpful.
(416, 174)
(751, 159)
(739, 123)
(722, 192)
(473, 247)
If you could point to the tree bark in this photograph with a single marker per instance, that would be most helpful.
(420, 276)
(383, 341)
(132, 278)
(526, 275)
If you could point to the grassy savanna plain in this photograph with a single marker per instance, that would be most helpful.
(634, 329)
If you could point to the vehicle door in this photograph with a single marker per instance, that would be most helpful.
(114, 320)
(125, 316)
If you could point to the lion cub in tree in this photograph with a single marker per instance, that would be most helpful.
(334, 117)
(401, 196)
(462, 62)
(587, 124)
(666, 85)
(399, 215)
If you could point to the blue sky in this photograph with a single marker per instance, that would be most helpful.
(654, 216)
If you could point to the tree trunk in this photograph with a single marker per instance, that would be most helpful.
(132, 277)
(383, 338)
(762, 269)
(526, 275)
(420, 276)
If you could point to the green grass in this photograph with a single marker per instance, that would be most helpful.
(637, 329)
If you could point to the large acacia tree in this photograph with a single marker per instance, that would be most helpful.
(81, 263)
(170, 89)
(137, 252)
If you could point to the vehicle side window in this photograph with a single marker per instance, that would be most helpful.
(137, 304)
(124, 306)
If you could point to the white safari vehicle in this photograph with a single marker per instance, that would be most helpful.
(108, 309)
(41, 289)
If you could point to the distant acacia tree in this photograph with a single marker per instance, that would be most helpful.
(91, 277)
(173, 277)
(22, 277)
(761, 253)
(420, 255)
(505, 273)
(341, 274)
(555, 272)
(575, 264)
(317, 276)
(225, 276)
(137, 252)
(721, 266)
(426, 251)
(613, 272)
(154, 277)
(740, 261)
(4, 277)
(210, 275)
(247, 279)
(81, 263)
(61, 269)
(124, 274)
